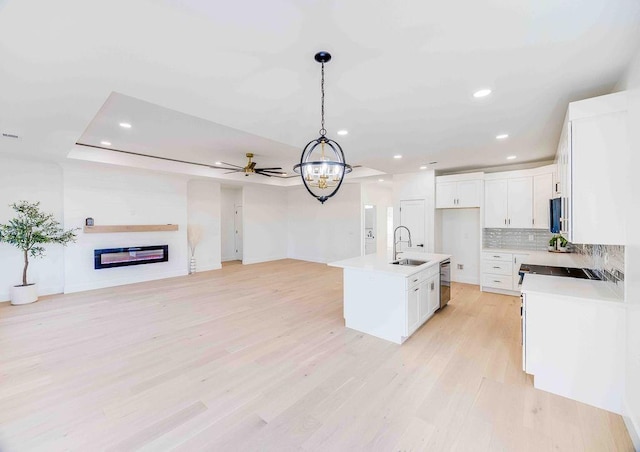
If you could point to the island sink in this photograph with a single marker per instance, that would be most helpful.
(409, 262)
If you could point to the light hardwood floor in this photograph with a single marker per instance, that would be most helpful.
(257, 358)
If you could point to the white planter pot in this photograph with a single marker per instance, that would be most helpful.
(24, 294)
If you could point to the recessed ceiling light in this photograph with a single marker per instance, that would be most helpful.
(217, 163)
(397, 156)
(380, 180)
(343, 132)
(125, 125)
(423, 167)
(511, 157)
(105, 143)
(502, 136)
(482, 93)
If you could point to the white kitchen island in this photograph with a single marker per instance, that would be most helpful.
(390, 301)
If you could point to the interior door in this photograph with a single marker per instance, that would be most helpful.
(238, 231)
(412, 216)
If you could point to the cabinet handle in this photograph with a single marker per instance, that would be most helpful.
(415, 280)
(505, 221)
(496, 267)
(509, 220)
(496, 281)
(496, 256)
(533, 221)
(433, 286)
(416, 289)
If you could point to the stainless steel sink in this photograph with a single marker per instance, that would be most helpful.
(409, 262)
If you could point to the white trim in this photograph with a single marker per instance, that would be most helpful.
(123, 281)
(259, 260)
(632, 427)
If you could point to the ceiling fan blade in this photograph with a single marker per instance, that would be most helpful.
(231, 164)
(233, 171)
(262, 169)
(271, 172)
(263, 174)
(223, 167)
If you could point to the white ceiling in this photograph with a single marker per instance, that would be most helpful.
(241, 75)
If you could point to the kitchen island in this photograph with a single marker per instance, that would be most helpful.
(390, 301)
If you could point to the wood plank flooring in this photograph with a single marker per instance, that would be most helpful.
(257, 357)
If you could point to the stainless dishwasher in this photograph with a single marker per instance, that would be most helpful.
(445, 282)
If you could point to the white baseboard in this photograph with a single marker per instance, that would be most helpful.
(632, 426)
(474, 281)
(123, 281)
(262, 259)
(208, 268)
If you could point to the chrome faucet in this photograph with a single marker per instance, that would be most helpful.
(395, 242)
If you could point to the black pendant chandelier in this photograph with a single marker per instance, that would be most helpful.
(322, 166)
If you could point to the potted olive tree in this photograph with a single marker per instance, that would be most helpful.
(29, 231)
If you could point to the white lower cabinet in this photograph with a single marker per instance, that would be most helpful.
(501, 270)
(574, 347)
(423, 298)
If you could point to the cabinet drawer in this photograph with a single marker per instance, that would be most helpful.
(497, 267)
(498, 281)
(416, 279)
(497, 256)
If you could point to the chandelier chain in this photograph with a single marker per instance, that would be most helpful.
(323, 131)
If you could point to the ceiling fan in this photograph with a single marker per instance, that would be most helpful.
(250, 168)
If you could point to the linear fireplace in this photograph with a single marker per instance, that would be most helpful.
(135, 255)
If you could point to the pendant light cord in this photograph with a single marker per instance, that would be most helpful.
(323, 131)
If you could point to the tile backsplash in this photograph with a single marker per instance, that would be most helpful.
(608, 260)
(517, 239)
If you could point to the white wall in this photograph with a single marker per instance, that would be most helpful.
(420, 185)
(264, 212)
(117, 195)
(381, 196)
(460, 235)
(203, 212)
(325, 232)
(632, 255)
(30, 181)
(230, 198)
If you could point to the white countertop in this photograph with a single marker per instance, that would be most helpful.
(545, 257)
(570, 288)
(381, 263)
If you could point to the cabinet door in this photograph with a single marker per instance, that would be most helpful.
(424, 301)
(598, 200)
(445, 195)
(495, 204)
(413, 309)
(520, 202)
(542, 193)
(434, 294)
(469, 193)
(517, 260)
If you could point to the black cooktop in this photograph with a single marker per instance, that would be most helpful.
(570, 272)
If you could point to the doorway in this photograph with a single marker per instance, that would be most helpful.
(412, 216)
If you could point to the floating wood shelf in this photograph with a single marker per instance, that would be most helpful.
(131, 228)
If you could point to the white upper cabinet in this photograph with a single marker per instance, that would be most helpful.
(520, 202)
(593, 149)
(458, 191)
(542, 193)
(495, 203)
(508, 203)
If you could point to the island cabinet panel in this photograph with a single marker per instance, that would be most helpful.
(387, 306)
(375, 303)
